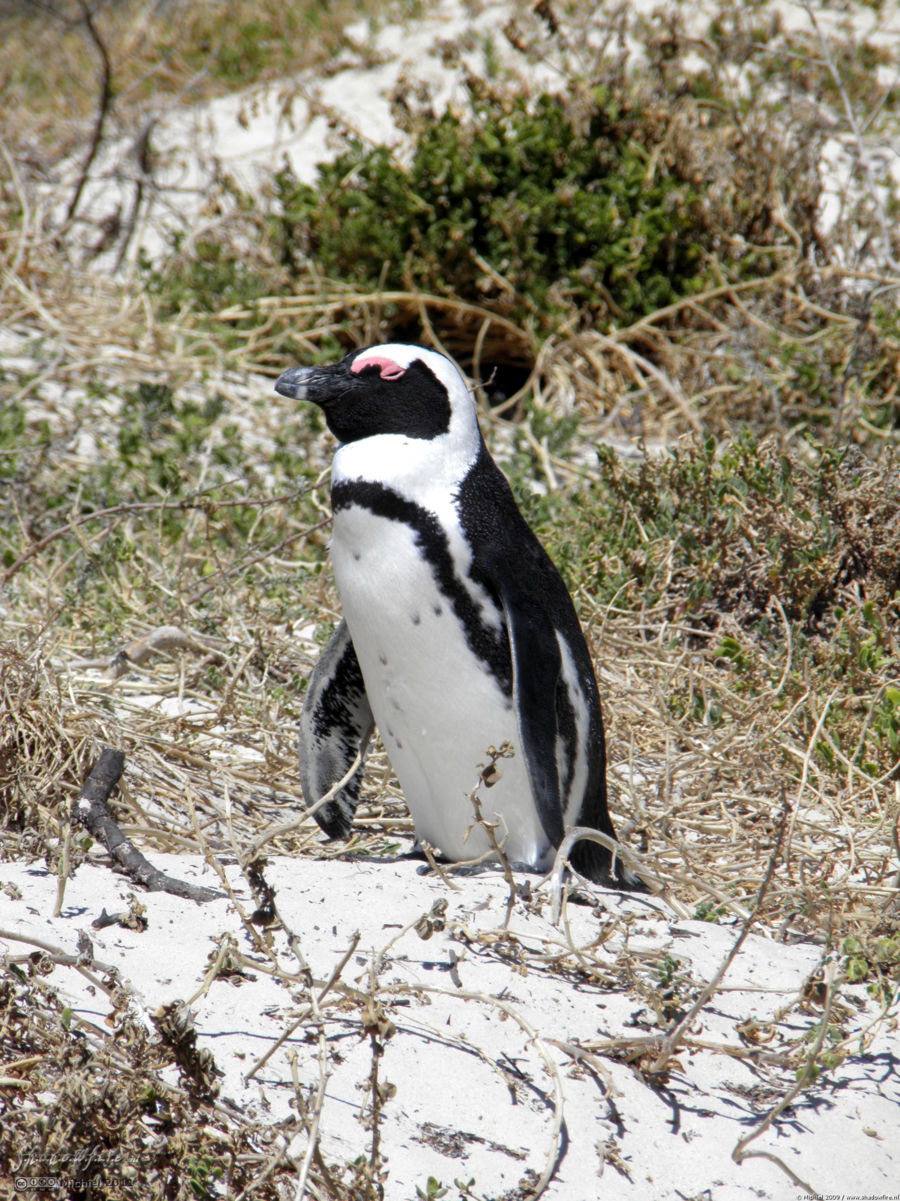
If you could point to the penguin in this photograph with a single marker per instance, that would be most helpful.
(458, 633)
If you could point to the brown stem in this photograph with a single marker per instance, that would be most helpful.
(103, 107)
(92, 811)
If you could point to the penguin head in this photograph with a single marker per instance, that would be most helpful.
(388, 389)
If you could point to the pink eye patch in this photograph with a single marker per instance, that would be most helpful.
(387, 368)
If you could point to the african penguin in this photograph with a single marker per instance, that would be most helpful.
(458, 632)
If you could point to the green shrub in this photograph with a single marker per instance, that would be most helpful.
(517, 205)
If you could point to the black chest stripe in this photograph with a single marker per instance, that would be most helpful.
(488, 644)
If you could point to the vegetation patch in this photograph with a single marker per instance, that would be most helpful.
(514, 207)
(115, 1125)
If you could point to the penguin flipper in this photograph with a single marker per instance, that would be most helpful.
(536, 668)
(335, 726)
(542, 696)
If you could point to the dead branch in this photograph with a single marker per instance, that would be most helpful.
(804, 1077)
(103, 106)
(162, 640)
(676, 1036)
(92, 811)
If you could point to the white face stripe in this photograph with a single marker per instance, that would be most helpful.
(427, 471)
(397, 356)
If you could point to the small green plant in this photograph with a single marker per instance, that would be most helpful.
(668, 991)
(12, 429)
(875, 959)
(432, 1191)
(886, 721)
(667, 971)
(731, 650)
(202, 1175)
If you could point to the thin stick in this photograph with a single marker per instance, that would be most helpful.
(739, 1154)
(103, 107)
(91, 810)
(308, 1009)
(145, 506)
(576, 834)
(297, 822)
(673, 1039)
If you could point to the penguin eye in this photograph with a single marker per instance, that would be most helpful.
(387, 368)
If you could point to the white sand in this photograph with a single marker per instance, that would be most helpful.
(475, 1097)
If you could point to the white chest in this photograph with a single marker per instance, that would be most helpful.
(437, 706)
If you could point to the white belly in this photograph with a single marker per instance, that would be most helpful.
(436, 706)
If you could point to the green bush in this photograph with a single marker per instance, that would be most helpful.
(519, 206)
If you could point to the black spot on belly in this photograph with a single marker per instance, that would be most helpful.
(382, 658)
(356, 555)
(417, 619)
(437, 610)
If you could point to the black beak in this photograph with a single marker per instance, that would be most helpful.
(295, 382)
